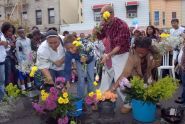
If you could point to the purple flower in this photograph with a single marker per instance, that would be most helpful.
(88, 100)
(50, 104)
(38, 108)
(53, 91)
(60, 79)
(64, 120)
(124, 83)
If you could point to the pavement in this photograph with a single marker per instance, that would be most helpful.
(24, 114)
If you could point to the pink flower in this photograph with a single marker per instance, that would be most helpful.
(53, 91)
(124, 83)
(50, 104)
(88, 100)
(60, 79)
(64, 120)
(38, 108)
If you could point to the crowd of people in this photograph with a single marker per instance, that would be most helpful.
(124, 52)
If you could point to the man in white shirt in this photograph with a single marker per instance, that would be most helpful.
(3, 45)
(176, 30)
(50, 57)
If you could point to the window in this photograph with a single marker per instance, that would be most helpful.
(164, 18)
(174, 16)
(156, 18)
(24, 15)
(38, 17)
(131, 11)
(97, 15)
(51, 16)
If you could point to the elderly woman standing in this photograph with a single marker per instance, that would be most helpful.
(50, 57)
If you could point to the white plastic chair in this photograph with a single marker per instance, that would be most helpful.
(166, 65)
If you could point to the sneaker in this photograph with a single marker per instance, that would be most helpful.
(23, 88)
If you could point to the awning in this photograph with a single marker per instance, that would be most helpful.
(99, 6)
(132, 3)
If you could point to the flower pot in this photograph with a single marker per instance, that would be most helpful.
(78, 109)
(143, 111)
(106, 108)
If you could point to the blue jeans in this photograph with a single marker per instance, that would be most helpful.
(56, 74)
(10, 70)
(183, 84)
(2, 80)
(89, 74)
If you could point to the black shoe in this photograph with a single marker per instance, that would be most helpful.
(179, 101)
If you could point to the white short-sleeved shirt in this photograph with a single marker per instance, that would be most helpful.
(2, 48)
(177, 32)
(25, 46)
(46, 56)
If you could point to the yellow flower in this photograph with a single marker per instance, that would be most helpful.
(44, 96)
(106, 15)
(42, 92)
(77, 43)
(78, 39)
(66, 101)
(98, 91)
(31, 74)
(65, 94)
(91, 94)
(164, 35)
(60, 100)
(34, 69)
(95, 83)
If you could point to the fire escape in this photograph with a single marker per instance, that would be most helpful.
(16, 9)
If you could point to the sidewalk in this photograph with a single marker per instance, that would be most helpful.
(26, 115)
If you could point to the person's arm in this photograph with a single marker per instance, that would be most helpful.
(3, 43)
(59, 62)
(43, 64)
(99, 31)
(47, 76)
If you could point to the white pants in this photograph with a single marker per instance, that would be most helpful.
(107, 78)
(118, 65)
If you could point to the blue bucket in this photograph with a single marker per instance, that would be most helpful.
(143, 111)
(78, 109)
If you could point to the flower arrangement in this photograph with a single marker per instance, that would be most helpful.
(12, 90)
(94, 97)
(85, 49)
(168, 43)
(26, 64)
(56, 103)
(160, 90)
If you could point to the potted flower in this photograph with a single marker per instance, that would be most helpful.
(106, 104)
(55, 103)
(144, 97)
(104, 101)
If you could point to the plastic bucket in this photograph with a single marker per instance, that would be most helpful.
(78, 109)
(143, 111)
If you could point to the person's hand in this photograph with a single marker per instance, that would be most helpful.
(58, 63)
(3, 43)
(105, 58)
(83, 59)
